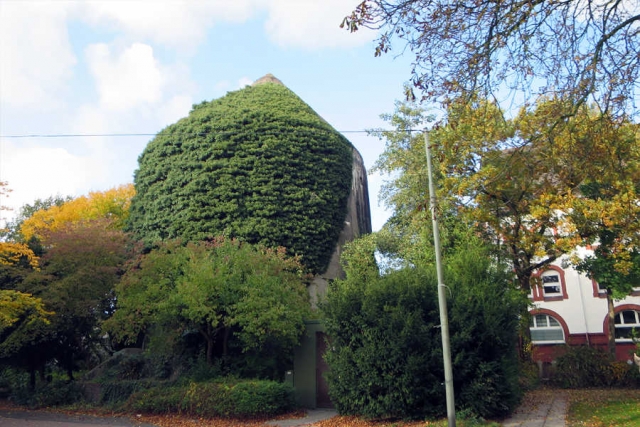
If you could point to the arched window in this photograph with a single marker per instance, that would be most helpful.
(626, 321)
(546, 329)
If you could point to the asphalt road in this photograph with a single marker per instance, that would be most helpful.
(14, 418)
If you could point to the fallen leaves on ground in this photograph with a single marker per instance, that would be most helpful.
(604, 408)
(190, 421)
(351, 421)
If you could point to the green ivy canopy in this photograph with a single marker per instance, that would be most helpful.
(257, 164)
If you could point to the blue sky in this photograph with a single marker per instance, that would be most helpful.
(110, 67)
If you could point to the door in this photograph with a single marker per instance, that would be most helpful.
(322, 388)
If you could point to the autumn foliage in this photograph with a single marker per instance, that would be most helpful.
(112, 204)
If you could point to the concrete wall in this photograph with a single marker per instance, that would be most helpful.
(356, 223)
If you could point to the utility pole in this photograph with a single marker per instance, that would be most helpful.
(442, 295)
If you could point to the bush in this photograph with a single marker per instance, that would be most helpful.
(231, 399)
(119, 391)
(56, 393)
(529, 375)
(583, 367)
(386, 357)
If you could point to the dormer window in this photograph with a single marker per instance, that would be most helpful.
(551, 286)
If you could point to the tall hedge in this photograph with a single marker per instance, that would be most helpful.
(257, 164)
(386, 349)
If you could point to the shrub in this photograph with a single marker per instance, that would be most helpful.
(529, 375)
(631, 377)
(230, 398)
(386, 357)
(119, 391)
(583, 366)
(45, 395)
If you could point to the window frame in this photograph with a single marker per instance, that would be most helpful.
(620, 315)
(557, 284)
(538, 291)
(548, 317)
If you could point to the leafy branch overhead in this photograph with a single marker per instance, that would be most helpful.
(520, 180)
(579, 50)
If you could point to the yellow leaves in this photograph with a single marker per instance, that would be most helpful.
(15, 306)
(111, 204)
(523, 178)
(13, 253)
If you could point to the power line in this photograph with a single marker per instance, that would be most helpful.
(117, 135)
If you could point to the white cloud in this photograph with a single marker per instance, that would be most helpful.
(126, 80)
(175, 23)
(244, 81)
(36, 171)
(223, 86)
(174, 109)
(183, 24)
(36, 59)
(312, 24)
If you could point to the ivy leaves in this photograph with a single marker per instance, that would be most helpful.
(258, 164)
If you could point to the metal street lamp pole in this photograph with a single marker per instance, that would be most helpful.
(442, 296)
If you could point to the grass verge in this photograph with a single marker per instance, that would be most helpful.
(604, 408)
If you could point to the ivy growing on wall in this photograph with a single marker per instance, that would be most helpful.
(257, 164)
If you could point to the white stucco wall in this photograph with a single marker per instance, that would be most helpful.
(582, 312)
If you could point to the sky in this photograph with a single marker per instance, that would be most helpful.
(134, 67)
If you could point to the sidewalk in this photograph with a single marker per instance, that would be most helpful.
(313, 416)
(543, 410)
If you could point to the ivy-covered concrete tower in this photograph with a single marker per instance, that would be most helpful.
(257, 164)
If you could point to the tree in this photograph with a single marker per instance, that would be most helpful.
(4, 191)
(407, 237)
(78, 273)
(257, 164)
(16, 258)
(111, 204)
(14, 253)
(23, 323)
(27, 211)
(223, 289)
(614, 264)
(519, 179)
(578, 50)
(17, 307)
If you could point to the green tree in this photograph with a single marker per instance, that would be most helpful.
(224, 289)
(407, 237)
(578, 50)
(257, 164)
